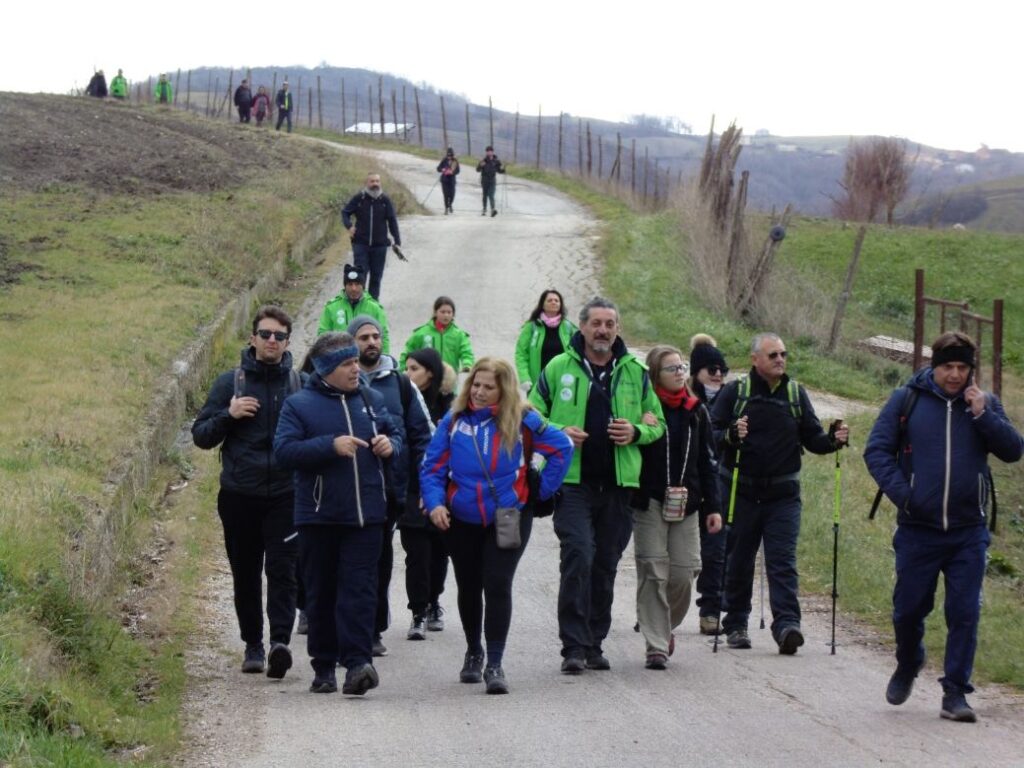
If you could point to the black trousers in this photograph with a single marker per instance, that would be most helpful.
(448, 190)
(484, 573)
(426, 565)
(259, 534)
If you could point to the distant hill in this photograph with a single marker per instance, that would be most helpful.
(996, 206)
(803, 171)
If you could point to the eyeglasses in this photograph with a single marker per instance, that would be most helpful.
(264, 334)
(714, 370)
(777, 355)
(674, 368)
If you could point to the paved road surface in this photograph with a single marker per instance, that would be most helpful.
(734, 708)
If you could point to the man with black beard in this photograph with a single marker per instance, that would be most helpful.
(374, 219)
(403, 400)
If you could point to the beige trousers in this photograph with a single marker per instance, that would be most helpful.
(667, 562)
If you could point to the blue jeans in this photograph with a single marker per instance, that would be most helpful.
(339, 571)
(371, 259)
(921, 554)
(593, 526)
(282, 115)
(775, 518)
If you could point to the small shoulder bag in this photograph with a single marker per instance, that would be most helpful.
(506, 519)
(673, 509)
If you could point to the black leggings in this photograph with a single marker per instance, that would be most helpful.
(484, 572)
(426, 565)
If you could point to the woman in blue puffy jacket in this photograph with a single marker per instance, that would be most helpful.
(476, 463)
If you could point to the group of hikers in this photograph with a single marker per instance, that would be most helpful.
(119, 89)
(489, 167)
(258, 106)
(701, 471)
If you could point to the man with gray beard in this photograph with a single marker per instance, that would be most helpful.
(374, 219)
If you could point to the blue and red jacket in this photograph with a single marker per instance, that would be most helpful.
(452, 476)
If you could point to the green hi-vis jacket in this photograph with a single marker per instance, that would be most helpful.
(561, 396)
(453, 345)
(529, 345)
(339, 312)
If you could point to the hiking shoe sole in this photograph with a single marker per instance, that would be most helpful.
(792, 638)
(279, 661)
(363, 680)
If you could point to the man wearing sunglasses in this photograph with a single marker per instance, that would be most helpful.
(763, 423)
(255, 502)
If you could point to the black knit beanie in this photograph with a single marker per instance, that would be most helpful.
(703, 355)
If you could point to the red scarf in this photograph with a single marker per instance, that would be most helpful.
(441, 328)
(680, 399)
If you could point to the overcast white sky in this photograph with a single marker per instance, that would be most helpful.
(938, 72)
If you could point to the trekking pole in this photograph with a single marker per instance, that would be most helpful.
(762, 584)
(835, 549)
(725, 565)
(424, 200)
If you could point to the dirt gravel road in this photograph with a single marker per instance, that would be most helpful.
(733, 708)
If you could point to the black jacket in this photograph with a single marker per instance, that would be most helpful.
(243, 97)
(97, 86)
(775, 439)
(374, 218)
(489, 168)
(700, 480)
(284, 101)
(247, 458)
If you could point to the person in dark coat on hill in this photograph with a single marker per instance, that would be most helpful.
(284, 106)
(336, 435)
(932, 463)
(243, 100)
(97, 85)
(375, 218)
(255, 501)
(449, 169)
(489, 168)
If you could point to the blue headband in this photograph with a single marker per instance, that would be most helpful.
(328, 361)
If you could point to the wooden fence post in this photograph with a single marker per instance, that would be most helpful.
(319, 104)
(590, 153)
(632, 169)
(600, 157)
(380, 105)
(405, 118)
(490, 117)
(469, 142)
(394, 112)
(444, 124)
(177, 86)
(645, 176)
(344, 114)
(419, 120)
(844, 297)
(273, 91)
(579, 144)
(231, 89)
(997, 347)
(618, 157)
(188, 89)
(298, 102)
(918, 317)
(560, 124)
(309, 107)
(538, 136)
(515, 138)
(369, 107)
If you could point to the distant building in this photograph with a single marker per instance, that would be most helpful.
(390, 129)
(964, 169)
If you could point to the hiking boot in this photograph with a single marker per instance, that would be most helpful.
(324, 682)
(279, 660)
(434, 621)
(901, 684)
(483, 212)
(494, 212)
(710, 625)
(656, 661)
(790, 639)
(359, 680)
(417, 629)
(573, 664)
(379, 649)
(738, 639)
(955, 707)
(472, 668)
(597, 660)
(303, 626)
(495, 679)
(255, 658)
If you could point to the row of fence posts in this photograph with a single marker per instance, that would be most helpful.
(649, 185)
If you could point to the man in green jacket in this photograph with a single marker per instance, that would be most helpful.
(597, 393)
(119, 86)
(352, 302)
(162, 92)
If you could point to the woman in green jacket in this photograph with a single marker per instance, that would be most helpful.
(444, 335)
(543, 336)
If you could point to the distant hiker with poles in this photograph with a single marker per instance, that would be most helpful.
(597, 393)
(449, 169)
(119, 86)
(928, 452)
(255, 502)
(489, 168)
(336, 434)
(374, 218)
(763, 421)
(97, 85)
(678, 494)
(162, 92)
(352, 302)
(261, 106)
(243, 100)
(283, 101)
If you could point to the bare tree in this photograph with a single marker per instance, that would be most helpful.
(876, 178)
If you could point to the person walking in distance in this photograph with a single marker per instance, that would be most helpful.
(243, 101)
(380, 373)
(763, 421)
(597, 393)
(375, 218)
(489, 167)
(475, 470)
(119, 86)
(255, 502)
(928, 451)
(336, 435)
(449, 169)
(261, 106)
(678, 491)
(162, 91)
(284, 104)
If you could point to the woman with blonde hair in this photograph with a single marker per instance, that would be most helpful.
(476, 465)
(678, 487)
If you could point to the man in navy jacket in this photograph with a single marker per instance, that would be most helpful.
(934, 469)
(374, 218)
